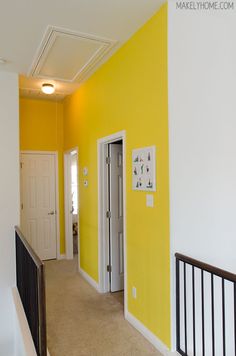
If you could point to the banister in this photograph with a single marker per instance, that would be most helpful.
(31, 252)
(202, 300)
(31, 287)
(207, 267)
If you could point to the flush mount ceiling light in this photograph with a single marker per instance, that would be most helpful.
(48, 88)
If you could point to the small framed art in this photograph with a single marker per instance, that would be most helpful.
(144, 169)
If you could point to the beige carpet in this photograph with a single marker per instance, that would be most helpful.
(82, 322)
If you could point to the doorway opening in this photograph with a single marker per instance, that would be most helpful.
(112, 214)
(71, 203)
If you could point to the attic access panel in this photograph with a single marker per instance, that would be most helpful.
(68, 56)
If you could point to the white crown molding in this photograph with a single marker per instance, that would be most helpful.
(49, 38)
(37, 94)
(38, 90)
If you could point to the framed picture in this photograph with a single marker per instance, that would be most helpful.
(144, 169)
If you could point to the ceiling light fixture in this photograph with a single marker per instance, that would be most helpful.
(48, 88)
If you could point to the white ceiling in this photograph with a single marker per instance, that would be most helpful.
(23, 25)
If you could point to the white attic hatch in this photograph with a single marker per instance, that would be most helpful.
(68, 57)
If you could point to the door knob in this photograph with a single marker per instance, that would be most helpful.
(51, 213)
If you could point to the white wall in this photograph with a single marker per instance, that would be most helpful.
(9, 203)
(202, 135)
(24, 345)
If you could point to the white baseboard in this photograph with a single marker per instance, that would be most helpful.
(153, 339)
(61, 257)
(89, 279)
(24, 344)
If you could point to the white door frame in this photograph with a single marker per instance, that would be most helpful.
(68, 237)
(102, 220)
(55, 154)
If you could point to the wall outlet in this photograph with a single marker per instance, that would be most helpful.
(150, 200)
(134, 292)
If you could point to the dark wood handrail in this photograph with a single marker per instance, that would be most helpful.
(206, 267)
(32, 253)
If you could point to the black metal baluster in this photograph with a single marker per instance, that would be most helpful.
(185, 311)
(235, 316)
(177, 305)
(194, 329)
(31, 287)
(182, 307)
(203, 321)
(223, 313)
(213, 314)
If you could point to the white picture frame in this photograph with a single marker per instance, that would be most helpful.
(144, 169)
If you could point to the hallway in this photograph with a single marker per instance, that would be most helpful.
(81, 322)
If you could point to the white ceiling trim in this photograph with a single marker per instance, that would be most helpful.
(37, 94)
(49, 38)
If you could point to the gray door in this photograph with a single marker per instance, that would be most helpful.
(116, 220)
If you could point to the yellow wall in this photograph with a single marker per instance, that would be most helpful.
(41, 129)
(129, 93)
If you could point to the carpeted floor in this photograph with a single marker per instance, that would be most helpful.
(82, 322)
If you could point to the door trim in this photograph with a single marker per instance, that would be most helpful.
(55, 154)
(68, 239)
(102, 220)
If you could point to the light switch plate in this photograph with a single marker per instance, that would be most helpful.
(150, 200)
(134, 292)
(85, 183)
(85, 171)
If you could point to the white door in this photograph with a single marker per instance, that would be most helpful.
(38, 203)
(116, 219)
